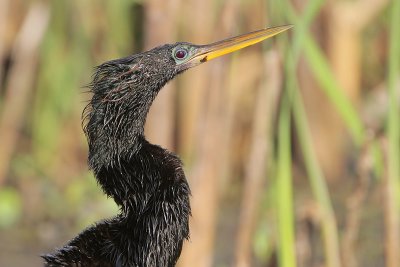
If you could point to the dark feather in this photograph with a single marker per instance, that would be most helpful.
(146, 181)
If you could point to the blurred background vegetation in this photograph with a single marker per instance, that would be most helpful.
(291, 147)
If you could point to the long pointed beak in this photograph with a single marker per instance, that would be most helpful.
(207, 52)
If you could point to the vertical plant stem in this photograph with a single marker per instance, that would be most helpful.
(18, 88)
(286, 251)
(4, 5)
(260, 152)
(393, 133)
(318, 185)
(303, 40)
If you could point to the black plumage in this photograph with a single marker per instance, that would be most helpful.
(146, 181)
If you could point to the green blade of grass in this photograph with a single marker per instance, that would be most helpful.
(286, 238)
(320, 67)
(335, 93)
(393, 126)
(393, 134)
(302, 24)
(315, 174)
(314, 171)
(318, 184)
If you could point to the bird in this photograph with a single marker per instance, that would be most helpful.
(146, 181)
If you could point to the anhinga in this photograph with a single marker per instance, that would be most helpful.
(146, 181)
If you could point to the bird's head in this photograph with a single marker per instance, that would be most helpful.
(123, 89)
(182, 56)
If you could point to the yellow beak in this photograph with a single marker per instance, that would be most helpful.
(207, 52)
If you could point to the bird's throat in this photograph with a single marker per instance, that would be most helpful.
(115, 131)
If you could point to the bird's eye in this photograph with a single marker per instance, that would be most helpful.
(181, 53)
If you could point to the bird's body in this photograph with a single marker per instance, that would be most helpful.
(153, 219)
(146, 181)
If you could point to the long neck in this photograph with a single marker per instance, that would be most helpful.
(115, 129)
(123, 91)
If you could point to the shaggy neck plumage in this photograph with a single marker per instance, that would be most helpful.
(116, 115)
(113, 136)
